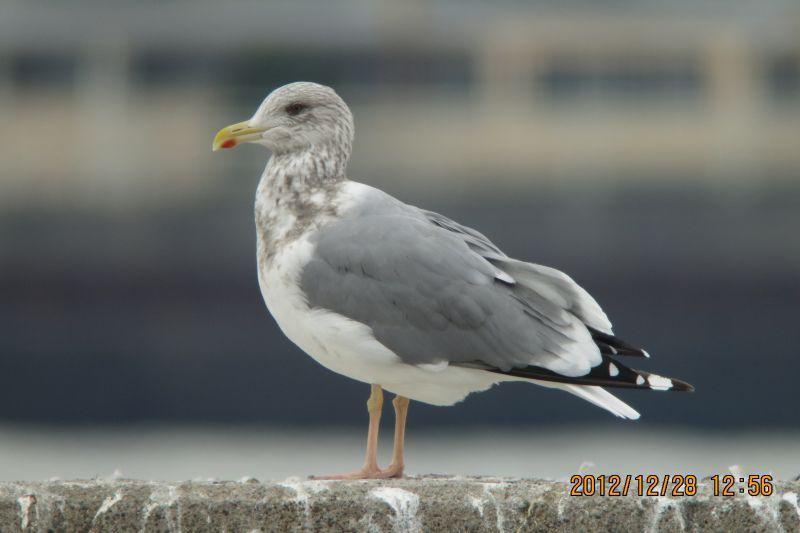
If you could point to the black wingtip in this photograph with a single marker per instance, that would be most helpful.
(611, 345)
(681, 386)
(610, 373)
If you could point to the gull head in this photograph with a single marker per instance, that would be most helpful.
(297, 117)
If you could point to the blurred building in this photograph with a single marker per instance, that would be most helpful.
(649, 148)
(113, 100)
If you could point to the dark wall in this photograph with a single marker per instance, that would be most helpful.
(157, 315)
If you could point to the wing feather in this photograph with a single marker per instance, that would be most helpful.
(429, 297)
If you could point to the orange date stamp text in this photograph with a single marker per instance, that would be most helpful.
(672, 485)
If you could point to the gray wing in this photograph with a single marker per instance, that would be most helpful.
(477, 241)
(428, 289)
(540, 280)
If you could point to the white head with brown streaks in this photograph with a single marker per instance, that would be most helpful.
(300, 119)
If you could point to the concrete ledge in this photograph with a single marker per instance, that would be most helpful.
(414, 504)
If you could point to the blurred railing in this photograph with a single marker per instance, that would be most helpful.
(126, 101)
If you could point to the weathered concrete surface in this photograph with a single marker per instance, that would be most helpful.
(416, 504)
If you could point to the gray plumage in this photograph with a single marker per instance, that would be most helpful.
(432, 290)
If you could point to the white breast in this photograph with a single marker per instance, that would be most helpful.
(340, 344)
(349, 347)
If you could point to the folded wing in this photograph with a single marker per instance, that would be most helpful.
(429, 298)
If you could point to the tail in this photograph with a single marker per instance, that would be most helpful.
(609, 373)
(602, 398)
(596, 395)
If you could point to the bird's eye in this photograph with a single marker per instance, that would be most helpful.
(295, 109)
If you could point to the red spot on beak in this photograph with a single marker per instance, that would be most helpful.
(230, 143)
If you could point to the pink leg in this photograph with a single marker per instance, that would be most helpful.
(370, 468)
(395, 468)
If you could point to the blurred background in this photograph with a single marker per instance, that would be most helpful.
(650, 149)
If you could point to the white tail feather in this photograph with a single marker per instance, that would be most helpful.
(602, 398)
(596, 395)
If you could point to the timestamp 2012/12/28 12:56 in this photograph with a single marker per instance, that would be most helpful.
(675, 485)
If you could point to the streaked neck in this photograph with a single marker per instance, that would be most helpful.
(296, 191)
(309, 168)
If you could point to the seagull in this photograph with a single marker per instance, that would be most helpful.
(404, 299)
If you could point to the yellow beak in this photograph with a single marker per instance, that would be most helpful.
(234, 134)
